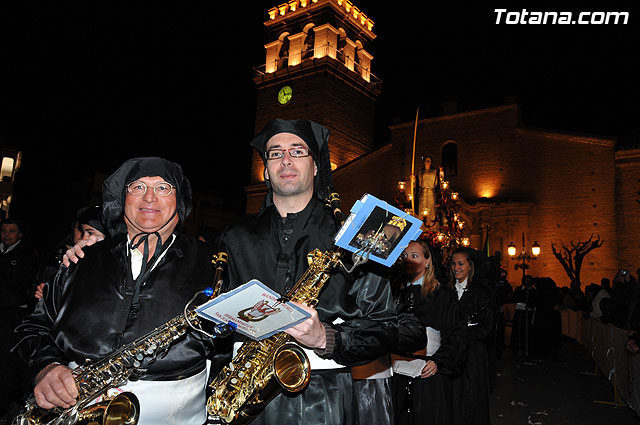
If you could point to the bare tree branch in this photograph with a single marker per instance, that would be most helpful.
(572, 258)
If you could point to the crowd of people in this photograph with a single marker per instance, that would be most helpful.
(536, 325)
(434, 326)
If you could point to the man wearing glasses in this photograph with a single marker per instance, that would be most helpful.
(354, 321)
(125, 287)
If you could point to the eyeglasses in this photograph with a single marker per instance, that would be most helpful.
(138, 188)
(294, 152)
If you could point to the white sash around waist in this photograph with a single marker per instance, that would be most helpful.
(316, 362)
(170, 402)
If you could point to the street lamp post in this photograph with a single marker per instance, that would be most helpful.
(524, 258)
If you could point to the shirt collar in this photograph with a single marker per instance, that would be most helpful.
(417, 282)
(461, 287)
(136, 257)
(6, 249)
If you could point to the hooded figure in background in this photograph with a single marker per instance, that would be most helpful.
(90, 221)
(354, 321)
(123, 288)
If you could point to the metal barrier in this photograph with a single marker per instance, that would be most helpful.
(606, 344)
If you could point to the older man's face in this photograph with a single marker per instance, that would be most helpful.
(150, 212)
(290, 176)
(10, 234)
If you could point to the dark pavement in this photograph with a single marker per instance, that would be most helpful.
(564, 389)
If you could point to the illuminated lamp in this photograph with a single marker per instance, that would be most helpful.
(535, 249)
(511, 250)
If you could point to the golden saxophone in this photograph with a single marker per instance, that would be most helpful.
(94, 380)
(261, 369)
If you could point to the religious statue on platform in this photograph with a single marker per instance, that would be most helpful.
(427, 180)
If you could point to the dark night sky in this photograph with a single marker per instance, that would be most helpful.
(87, 86)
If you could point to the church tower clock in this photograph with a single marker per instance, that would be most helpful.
(317, 67)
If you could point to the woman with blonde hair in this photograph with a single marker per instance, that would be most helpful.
(426, 398)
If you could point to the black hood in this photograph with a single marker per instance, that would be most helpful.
(91, 215)
(315, 136)
(114, 189)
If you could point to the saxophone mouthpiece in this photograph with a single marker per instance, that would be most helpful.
(220, 259)
(334, 202)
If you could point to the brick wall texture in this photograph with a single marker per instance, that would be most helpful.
(554, 188)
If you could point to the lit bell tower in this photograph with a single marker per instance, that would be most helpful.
(317, 67)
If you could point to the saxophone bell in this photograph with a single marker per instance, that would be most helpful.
(123, 409)
(291, 367)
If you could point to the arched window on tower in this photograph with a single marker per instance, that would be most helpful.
(342, 41)
(450, 159)
(309, 41)
(283, 60)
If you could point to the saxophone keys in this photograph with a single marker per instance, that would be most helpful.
(106, 376)
(84, 387)
(115, 368)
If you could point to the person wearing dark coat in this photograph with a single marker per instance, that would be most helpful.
(547, 327)
(525, 297)
(471, 388)
(426, 399)
(354, 321)
(18, 263)
(122, 289)
(87, 223)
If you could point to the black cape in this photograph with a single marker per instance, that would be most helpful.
(428, 400)
(358, 306)
(471, 388)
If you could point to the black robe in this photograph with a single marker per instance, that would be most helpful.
(359, 306)
(17, 287)
(471, 388)
(428, 400)
(82, 309)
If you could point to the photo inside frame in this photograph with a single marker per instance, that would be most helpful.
(380, 233)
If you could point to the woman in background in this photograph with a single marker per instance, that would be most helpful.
(471, 388)
(426, 399)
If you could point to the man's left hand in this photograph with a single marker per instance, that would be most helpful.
(310, 332)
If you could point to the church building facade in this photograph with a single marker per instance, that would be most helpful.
(515, 184)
